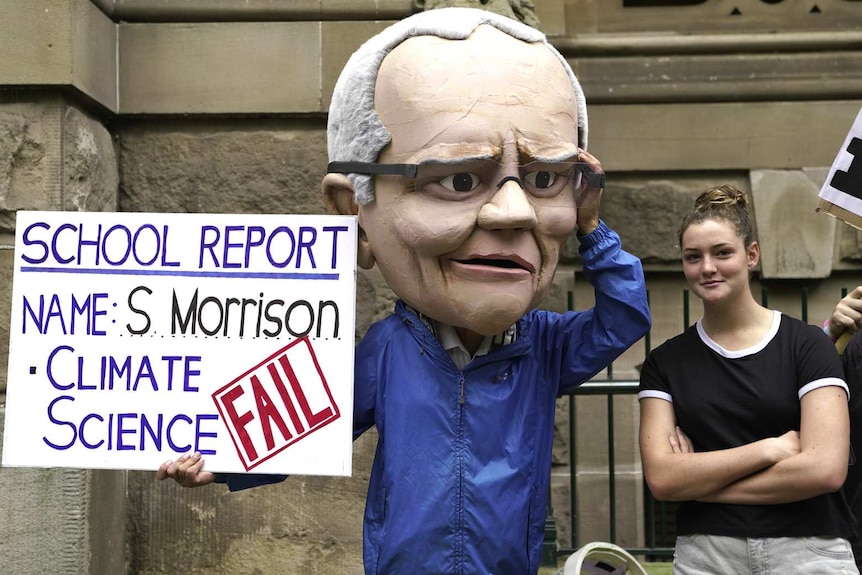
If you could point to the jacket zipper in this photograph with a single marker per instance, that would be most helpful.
(459, 564)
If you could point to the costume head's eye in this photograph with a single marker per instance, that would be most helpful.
(462, 182)
(540, 180)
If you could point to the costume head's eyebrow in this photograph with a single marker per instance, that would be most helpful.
(460, 161)
(549, 159)
(535, 151)
(454, 154)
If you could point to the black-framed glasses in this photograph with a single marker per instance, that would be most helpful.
(460, 180)
(371, 169)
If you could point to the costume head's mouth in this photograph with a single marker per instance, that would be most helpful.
(503, 262)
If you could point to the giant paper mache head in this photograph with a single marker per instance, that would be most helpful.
(453, 134)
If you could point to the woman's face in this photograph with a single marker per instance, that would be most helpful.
(716, 261)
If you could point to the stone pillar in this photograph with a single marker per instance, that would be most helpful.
(54, 155)
(56, 81)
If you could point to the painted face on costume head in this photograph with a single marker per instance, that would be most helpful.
(474, 240)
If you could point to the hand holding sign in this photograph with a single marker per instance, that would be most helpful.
(186, 471)
(846, 318)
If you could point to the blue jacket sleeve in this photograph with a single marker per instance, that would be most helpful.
(621, 314)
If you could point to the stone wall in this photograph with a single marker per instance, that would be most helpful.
(220, 106)
(54, 155)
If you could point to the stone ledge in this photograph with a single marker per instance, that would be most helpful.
(253, 10)
(67, 43)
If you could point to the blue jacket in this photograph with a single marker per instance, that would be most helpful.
(461, 475)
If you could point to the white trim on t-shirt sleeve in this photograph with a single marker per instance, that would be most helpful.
(654, 393)
(824, 382)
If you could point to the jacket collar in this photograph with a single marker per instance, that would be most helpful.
(511, 339)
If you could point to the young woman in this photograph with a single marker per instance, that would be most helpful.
(744, 418)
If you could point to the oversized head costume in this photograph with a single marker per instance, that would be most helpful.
(490, 118)
(455, 136)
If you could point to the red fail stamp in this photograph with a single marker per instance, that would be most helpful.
(278, 402)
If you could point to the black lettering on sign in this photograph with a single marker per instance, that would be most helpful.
(850, 182)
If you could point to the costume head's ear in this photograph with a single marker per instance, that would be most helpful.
(338, 194)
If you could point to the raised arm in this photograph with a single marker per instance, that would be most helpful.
(621, 315)
(676, 473)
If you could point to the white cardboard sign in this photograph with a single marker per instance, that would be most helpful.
(137, 337)
(843, 185)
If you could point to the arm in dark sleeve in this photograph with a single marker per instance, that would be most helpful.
(240, 481)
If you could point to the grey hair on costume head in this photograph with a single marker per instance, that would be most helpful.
(355, 132)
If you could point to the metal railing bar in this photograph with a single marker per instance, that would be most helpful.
(612, 387)
(573, 475)
(612, 478)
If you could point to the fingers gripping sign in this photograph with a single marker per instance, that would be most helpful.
(187, 471)
(846, 319)
(848, 313)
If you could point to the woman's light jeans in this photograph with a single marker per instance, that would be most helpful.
(718, 555)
